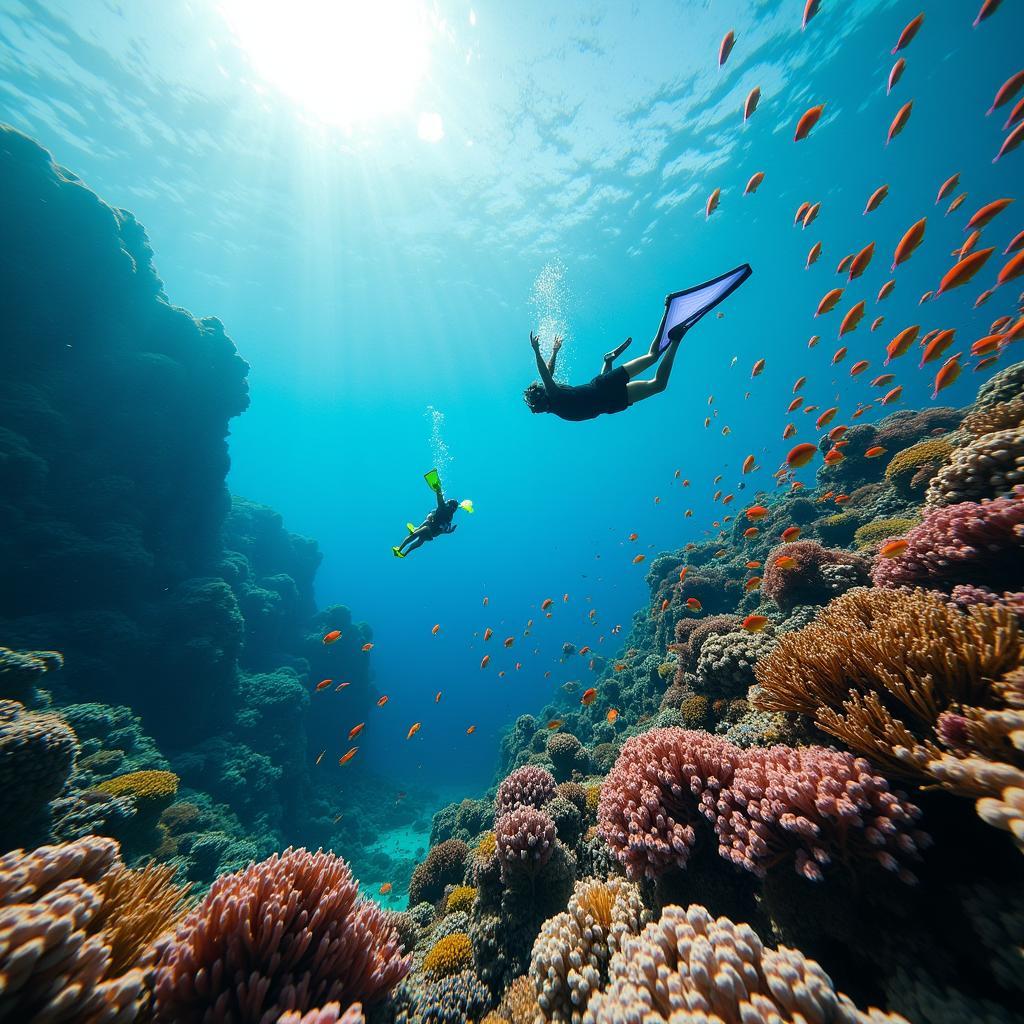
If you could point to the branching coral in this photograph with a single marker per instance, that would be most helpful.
(989, 467)
(462, 897)
(288, 933)
(449, 955)
(529, 786)
(689, 968)
(878, 667)
(525, 840)
(75, 931)
(980, 544)
(571, 954)
(815, 574)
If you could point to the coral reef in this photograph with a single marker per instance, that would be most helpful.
(288, 933)
(690, 967)
(529, 786)
(525, 839)
(449, 955)
(989, 467)
(817, 575)
(910, 470)
(445, 865)
(878, 530)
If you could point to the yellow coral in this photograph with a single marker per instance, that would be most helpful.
(449, 955)
(913, 467)
(666, 669)
(519, 1006)
(461, 897)
(494, 1018)
(486, 847)
(694, 710)
(593, 797)
(143, 786)
(871, 533)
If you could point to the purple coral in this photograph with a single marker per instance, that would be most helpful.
(525, 838)
(977, 543)
(529, 786)
(330, 1014)
(650, 801)
(819, 573)
(288, 933)
(818, 806)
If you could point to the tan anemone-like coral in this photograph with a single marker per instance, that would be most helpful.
(329, 1014)
(990, 466)
(571, 953)
(910, 470)
(1000, 416)
(519, 1005)
(449, 955)
(689, 968)
(877, 530)
(76, 929)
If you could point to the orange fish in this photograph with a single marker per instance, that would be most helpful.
(565, 599)
(485, 661)
(988, 8)
(972, 241)
(382, 701)
(874, 452)
(936, 347)
(886, 290)
(584, 651)
(946, 187)
(810, 10)
(852, 318)
(899, 121)
(612, 715)
(800, 382)
(895, 74)
(800, 211)
(908, 33)
(983, 298)
(1017, 242)
(758, 367)
(546, 604)
(693, 604)
(859, 367)
(356, 730)
(345, 758)
(329, 638)
(951, 369)
(957, 203)
(893, 549)
(985, 363)
(882, 379)
(785, 562)
(813, 254)
(962, 272)
(756, 512)
(826, 418)
(1010, 143)
(986, 345)
(323, 684)
(384, 889)
(751, 531)
(682, 574)
(752, 584)
(728, 42)
(366, 648)
(860, 262)
(509, 641)
(712, 203)
(748, 463)
(840, 354)
(832, 456)
(829, 301)
(987, 213)
(413, 729)
(891, 396)
(911, 239)
(813, 340)
(638, 559)
(750, 104)
(811, 214)
(1007, 91)
(320, 756)
(437, 697)
(341, 686)
(753, 565)
(807, 121)
(436, 630)
(754, 183)
(620, 666)
(789, 431)
(488, 633)
(589, 696)
(754, 623)
(1013, 268)
(790, 534)
(795, 404)
(877, 322)
(801, 455)
(901, 343)
(875, 199)
(844, 263)
(665, 605)
(471, 730)
(633, 536)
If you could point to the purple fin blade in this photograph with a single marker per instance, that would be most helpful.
(683, 309)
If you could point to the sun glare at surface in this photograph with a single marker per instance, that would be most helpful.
(342, 61)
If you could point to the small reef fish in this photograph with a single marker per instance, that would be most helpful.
(341, 686)
(638, 559)
(320, 756)
(546, 604)
(785, 562)
(509, 641)
(755, 623)
(612, 715)
(485, 661)
(488, 633)
(899, 122)
(323, 684)
(911, 239)
(384, 889)
(753, 564)
(758, 368)
(555, 723)
(756, 512)
(893, 549)
(356, 730)
(471, 730)
(329, 638)
(693, 604)
(874, 452)
(947, 186)
(583, 651)
(588, 696)
(751, 532)
(382, 701)
(366, 648)
(346, 757)
(436, 630)
(437, 697)
(634, 536)
(413, 729)
(752, 584)
(790, 534)
(807, 121)
(908, 33)
(800, 455)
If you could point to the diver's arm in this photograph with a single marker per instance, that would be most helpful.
(556, 347)
(542, 367)
(440, 497)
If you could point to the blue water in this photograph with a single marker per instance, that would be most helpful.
(370, 276)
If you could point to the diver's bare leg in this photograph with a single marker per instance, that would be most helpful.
(638, 390)
(610, 357)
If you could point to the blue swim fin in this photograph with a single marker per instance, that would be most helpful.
(683, 309)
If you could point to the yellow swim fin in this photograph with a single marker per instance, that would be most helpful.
(397, 553)
(411, 527)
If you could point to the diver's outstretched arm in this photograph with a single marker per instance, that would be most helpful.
(542, 367)
(610, 357)
(440, 497)
(556, 347)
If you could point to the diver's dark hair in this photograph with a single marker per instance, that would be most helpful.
(536, 397)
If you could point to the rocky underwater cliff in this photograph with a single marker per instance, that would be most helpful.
(797, 796)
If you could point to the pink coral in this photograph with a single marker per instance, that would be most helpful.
(817, 805)
(525, 838)
(650, 801)
(978, 543)
(529, 786)
(814, 578)
(964, 595)
(288, 933)
(812, 804)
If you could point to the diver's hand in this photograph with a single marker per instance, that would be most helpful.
(557, 343)
(535, 341)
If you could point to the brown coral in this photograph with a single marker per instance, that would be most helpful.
(146, 787)
(910, 470)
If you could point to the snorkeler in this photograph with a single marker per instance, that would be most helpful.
(438, 521)
(613, 391)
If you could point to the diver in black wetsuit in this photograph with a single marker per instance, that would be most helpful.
(437, 522)
(609, 392)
